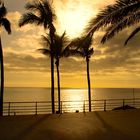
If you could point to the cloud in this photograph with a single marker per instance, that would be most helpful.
(116, 55)
(110, 58)
(20, 62)
(111, 61)
(14, 5)
(24, 40)
(14, 18)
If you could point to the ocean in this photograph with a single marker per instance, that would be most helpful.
(16, 94)
(38, 100)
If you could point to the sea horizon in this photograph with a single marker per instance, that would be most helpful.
(75, 87)
(44, 93)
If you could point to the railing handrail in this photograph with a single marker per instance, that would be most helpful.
(73, 100)
(35, 107)
(27, 102)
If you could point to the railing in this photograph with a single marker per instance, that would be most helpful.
(19, 108)
(44, 107)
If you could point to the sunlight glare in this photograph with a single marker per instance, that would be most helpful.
(75, 99)
(73, 18)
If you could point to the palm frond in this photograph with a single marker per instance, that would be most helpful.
(81, 41)
(46, 5)
(82, 46)
(113, 13)
(88, 40)
(29, 18)
(122, 24)
(90, 52)
(63, 35)
(41, 12)
(33, 6)
(6, 24)
(75, 52)
(132, 35)
(46, 13)
(65, 52)
(3, 10)
(45, 51)
(75, 42)
(61, 45)
(63, 38)
(57, 45)
(64, 41)
(46, 41)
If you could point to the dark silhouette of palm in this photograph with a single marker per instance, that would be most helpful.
(6, 24)
(40, 13)
(84, 49)
(115, 18)
(60, 49)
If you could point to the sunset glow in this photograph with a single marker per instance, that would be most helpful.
(69, 69)
(112, 64)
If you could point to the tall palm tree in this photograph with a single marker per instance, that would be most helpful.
(85, 50)
(40, 13)
(116, 17)
(60, 49)
(6, 24)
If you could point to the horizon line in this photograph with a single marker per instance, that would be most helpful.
(69, 87)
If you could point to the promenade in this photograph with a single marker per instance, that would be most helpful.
(110, 125)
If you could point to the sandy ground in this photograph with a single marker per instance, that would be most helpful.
(112, 125)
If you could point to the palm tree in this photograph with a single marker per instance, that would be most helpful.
(41, 13)
(6, 24)
(84, 50)
(60, 49)
(116, 17)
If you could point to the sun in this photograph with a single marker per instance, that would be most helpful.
(73, 18)
(73, 22)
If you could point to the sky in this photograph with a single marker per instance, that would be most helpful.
(112, 64)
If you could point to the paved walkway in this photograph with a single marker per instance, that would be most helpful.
(113, 125)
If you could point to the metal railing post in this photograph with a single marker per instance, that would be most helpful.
(104, 105)
(61, 103)
(133, 97)
(9, 105)
(123, 104)
(84, 107)
(35, 108)
(133, 102)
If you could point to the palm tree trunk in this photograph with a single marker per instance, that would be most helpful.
(58, 82)
(52, 31)
(88, 80)
(52, 83)
(2, 79)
